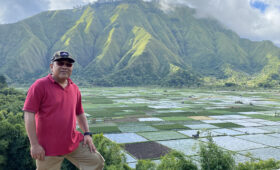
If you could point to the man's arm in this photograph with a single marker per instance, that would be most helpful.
(36, 150)
(82, 120)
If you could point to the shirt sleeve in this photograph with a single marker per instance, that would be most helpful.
(79, 108)
(33, 98)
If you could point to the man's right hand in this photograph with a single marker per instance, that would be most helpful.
(37, 152)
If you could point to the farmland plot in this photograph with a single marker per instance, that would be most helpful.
(165, 119)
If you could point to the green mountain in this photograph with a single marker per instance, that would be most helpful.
(131, 42)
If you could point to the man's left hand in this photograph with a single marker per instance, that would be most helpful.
(88, 141)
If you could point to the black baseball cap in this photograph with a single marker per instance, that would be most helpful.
(62, 55)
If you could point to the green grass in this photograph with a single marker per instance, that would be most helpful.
(105, 129)
(265, 117)
(195, 113)
(170, 126)
(162, 135)
(117, 111)
(175, 118)
(230, 110)
(128, 113)
(227, 125)
(88, 106)
(102, 124)
(97, 100)
(180, 114)
(137, 128)
(245, 108)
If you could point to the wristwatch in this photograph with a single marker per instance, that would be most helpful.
(88, 133)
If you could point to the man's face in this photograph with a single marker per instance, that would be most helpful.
(61, 69)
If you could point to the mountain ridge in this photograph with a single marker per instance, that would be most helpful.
(134, 43)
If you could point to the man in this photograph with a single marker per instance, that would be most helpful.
(52, 106)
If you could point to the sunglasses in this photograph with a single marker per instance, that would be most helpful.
(61, 63)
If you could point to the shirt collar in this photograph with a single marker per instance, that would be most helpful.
(53, 81)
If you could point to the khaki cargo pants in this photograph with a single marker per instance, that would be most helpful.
(82, 158)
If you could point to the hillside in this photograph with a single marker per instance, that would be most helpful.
(132, 42)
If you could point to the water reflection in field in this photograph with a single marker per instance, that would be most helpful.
(240, 121)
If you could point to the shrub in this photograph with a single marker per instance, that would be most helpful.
(114, 158)
(213, 157)
(111, 152)
(230, 84)
(14, 144)
(238, 102)
(269, 164)
(174, 161)
(145, 165)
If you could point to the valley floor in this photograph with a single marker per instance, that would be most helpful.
(149, 122)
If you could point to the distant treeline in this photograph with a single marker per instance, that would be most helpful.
(2, 82)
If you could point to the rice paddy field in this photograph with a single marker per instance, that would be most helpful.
(149, 122)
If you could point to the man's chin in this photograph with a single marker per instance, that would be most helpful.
(64, 76)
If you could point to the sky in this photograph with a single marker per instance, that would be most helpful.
(256, 20)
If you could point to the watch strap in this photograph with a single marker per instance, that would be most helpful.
(88, 133)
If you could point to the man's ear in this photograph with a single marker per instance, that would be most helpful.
(51, 67)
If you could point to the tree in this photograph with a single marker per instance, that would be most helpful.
(181, 78)
(230, 84)
(213, 157)
(14, 143)
(145, 165)
(3, 82)
(260, 165)
(114, 158)
(176, 160)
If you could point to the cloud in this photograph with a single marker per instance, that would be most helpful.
(270, 2)
(241, 16)
(15, 10)
(68, 4)
(253, 19)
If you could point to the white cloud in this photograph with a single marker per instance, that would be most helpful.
(15, 10)
(68, 4)
(239, 16)
(2, 15)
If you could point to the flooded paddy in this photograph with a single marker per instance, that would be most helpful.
(240, 121)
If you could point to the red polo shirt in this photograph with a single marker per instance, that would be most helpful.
(55, 111)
